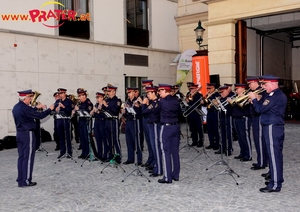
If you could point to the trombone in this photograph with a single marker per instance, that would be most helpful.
(194, 107)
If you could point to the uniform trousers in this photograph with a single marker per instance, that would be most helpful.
(242, 126)
(132, 131)
(84, 136)
(226, 133)
(26, 143)
(150, 159)
(63, 129)
(154, 130)
(112, 135)
(169, 137)
(274, 137)
(260, 146)
(213, 128)
(99, 132)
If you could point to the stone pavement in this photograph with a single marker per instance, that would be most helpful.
(66, 186)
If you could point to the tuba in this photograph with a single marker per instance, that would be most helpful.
(33, 102)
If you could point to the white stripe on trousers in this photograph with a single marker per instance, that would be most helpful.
(29, 155)
(156, 146)
(163, 154)
(274, 174)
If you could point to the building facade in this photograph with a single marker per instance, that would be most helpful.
(118, 42)
(269, 44)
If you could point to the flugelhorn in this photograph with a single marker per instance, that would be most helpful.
(234, 101)
(242, 101)
(33, 102)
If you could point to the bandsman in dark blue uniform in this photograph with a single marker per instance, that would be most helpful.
(24, 117)
(169, 108)
(85, 105)
(55, 134)
(260, 146)
(242, 121)
(150, 160)
(133, 114)
(232, 93)
(272, 110)
(112, 105)
(195, 120)
(225, 120)
(99, 127)
(212, 117)
(150, 108)
(63, 109)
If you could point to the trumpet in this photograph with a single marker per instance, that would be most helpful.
(243, 100)
(237, 97)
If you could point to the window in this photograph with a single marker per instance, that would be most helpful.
(135, 82)
(80, 28)
(137, 23)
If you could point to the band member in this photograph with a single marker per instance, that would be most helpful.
(177, 92)
(272, 110)
(24, 118)
(55, 133)
(63, 109)
(85, 105)
(150, 161)
(242, 121)
(212, 117)
(260, 146)
(112, 105)
(150, 107)
(74, 120)
(225, 121)
(132, 128)
(169, 108)
(195, 119)
(99, 127)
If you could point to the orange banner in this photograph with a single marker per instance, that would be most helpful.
(200, 72)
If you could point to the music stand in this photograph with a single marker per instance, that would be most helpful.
(137, 169)
(113, 160)
(228, 170)
(66, 155)
(90, 157)
(203, 151)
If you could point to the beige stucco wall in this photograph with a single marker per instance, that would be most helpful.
(222, 17)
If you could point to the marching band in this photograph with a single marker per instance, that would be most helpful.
(156, 116)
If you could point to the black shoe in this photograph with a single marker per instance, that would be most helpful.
(245, 159)
(200, 145)
(154, 175)
(69, 156)
(163, 181)
(209, 147)
(265, 174)
(218, 152)
(175, 179)
(255, 164)
(257, 167)
(268, 190)
(127, 162)
(238, 157)
(59, 157)
(267, 183)
(228, 154)
(268, 177)
(145, 165)
(28, 185)
(149, 168)
(57, 149)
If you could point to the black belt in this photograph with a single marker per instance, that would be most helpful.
(240, 117)
(169, 124)
(155, 122)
